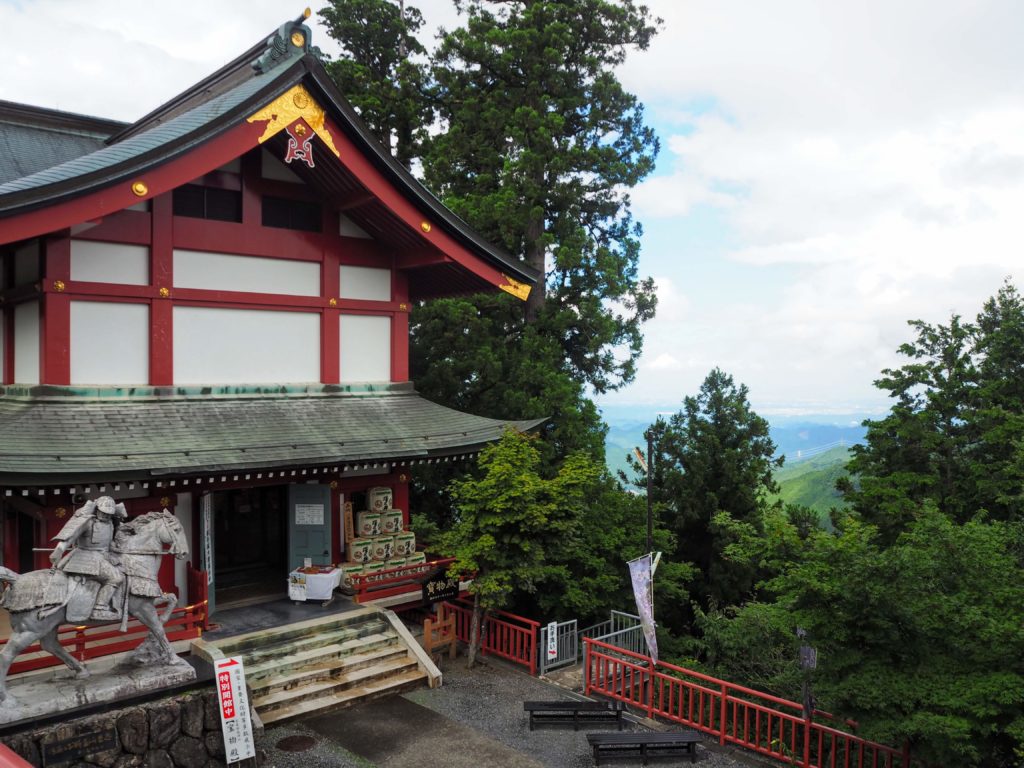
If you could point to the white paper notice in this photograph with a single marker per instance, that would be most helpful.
(309, 514)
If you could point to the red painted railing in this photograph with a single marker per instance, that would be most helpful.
(405, 579)
(503, 634)
(761, 722)
(91, 642)
(84, 642)
(198, 586)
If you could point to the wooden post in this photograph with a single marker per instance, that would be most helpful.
(439, 633)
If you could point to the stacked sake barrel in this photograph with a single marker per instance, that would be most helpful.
(381, 543)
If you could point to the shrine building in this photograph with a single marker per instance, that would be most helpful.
(208, 310)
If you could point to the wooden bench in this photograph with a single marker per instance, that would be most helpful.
(646, 744)
(574, 712)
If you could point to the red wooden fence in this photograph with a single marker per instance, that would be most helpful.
(91, 642)
(503, 634)
(736, 715)
(405, 579)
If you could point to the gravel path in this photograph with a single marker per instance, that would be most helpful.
(489, 698)
(474, 719)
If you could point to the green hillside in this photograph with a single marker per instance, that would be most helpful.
(812, 482)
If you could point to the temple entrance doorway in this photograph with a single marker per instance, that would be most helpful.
(250, 545)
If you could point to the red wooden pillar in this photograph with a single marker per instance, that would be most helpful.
(161, 277)
(400, 328)
(330, 343)
(399, 482)
(55, 313)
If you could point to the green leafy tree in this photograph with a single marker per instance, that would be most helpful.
(919, 640)
(513, 525)
(383, 70)
(713, 467)
(954, 433)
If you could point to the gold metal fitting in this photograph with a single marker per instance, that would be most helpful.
(58, 285)
(61, 511)
(425, 226)
(333, 302)
(164, 293)
(403, 478)
(139, 189)
(334, 484)
(298, 39)
(403, 307)
(165, 501)
(306, 13)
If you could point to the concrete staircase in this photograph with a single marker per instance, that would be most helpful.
(326, 663)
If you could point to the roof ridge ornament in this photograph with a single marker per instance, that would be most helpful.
(290, 40)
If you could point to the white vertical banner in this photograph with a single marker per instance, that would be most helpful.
(552, 640)
(234, 710)
(206, 520)
(642, 575)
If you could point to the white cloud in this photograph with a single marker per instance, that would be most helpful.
(867, 161)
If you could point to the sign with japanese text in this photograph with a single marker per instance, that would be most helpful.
(552, 639)
(206, 512)
(440, 587)
(234, 710)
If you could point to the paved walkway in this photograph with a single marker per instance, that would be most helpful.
(474, 720)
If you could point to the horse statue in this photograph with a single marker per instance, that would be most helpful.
(138, 547)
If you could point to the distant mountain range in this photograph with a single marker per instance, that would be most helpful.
(799, 439)
(812, 482)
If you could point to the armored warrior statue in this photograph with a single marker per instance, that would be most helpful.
(90, 532)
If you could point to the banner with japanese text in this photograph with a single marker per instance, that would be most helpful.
(641, 573)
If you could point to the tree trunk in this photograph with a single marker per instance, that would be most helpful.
(474, 633)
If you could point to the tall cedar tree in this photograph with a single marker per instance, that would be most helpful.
(383, 70)
(539, 149)
(713, 466)
(954, 434)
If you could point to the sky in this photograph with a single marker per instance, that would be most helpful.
(828, 170)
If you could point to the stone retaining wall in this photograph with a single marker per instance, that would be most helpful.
(177, 732)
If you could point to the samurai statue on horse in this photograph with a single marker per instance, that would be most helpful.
(101, 571)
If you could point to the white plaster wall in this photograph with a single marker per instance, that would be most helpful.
(26, 263)
(253, 274)
(183, 511)
(276, 170)
(109, 343)
(26, 343)
(348, 228)
(369, 283)
(245, 346)
(98, 262)
(365, 348)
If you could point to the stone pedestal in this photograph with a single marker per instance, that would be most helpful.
(58, 690)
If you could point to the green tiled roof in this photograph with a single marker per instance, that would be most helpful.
(174, 132)
(50, 440)
(34, 138)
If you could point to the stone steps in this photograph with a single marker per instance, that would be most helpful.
(335, 685)
(276, 663)
(324, 664)
(272, 681)
(326, 637)
(398, 683)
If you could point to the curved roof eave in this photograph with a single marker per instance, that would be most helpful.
(140, 152)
